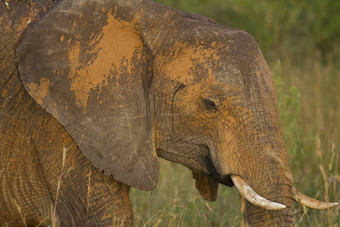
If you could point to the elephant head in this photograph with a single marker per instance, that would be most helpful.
(130, 80)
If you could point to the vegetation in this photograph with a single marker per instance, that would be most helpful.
(300, 40)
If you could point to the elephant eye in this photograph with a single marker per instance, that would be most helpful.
(211, 102)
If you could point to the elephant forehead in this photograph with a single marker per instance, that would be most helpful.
(187, 64)
(232, 67)
(202, 65)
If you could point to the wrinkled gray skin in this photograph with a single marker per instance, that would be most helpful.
(192, 91)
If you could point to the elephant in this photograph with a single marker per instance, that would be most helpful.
(93, 91)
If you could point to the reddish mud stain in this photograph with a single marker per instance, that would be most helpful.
(181, 66)
(118, 42)
(39, 92)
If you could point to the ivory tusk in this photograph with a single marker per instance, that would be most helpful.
(312, 203)
(248, 193)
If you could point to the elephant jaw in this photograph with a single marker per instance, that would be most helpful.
(249, 194)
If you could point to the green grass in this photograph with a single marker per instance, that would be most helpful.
(300, 41)
(309, 102)
(176, 202)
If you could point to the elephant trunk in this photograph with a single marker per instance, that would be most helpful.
(277, 192)
(275, 186)
(262, 217)
(262, 176)
(258, 166)
(250, 195)
(267, 188)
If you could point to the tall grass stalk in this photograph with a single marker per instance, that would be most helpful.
(54, 215)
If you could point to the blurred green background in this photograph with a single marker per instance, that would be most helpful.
(301, 43)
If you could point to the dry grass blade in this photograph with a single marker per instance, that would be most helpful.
(330, 166)
(176, 200)
(243, 207)
(54, 215)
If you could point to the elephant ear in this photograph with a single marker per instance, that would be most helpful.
(88, 68)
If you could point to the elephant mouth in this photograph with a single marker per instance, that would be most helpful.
(198, 160)
(225, 180)
(219, 178)
(242, 186)
(222, 179)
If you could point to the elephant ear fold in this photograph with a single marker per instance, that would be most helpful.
(88, 68)
(207, 186)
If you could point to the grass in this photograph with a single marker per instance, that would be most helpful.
(176, 202)
(313, 152)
